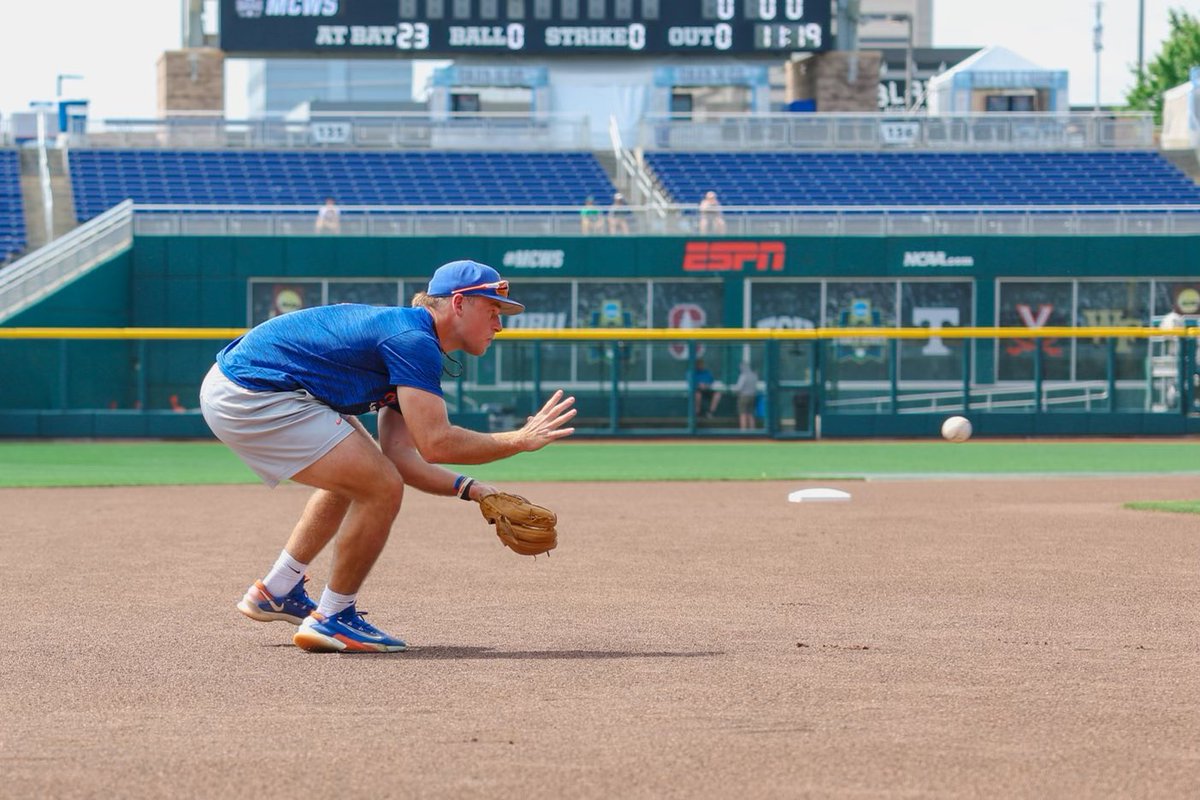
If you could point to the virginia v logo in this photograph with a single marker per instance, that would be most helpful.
(1034, 321)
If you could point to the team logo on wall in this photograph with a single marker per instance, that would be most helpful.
(685, 315)
(286, 298)
(1111, 318)
(545, 320)
(1187, 300)
(1033, 321)
(611, 314)
(860, 314)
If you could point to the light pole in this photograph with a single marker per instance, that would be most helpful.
(1141, 37)
(1098, 45)
(58, 82)
(41, 108)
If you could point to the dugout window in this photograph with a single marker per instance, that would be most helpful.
(547, 307)
(1111, 304)
(934, 305)
(611, 304)
(685, 305)
(860, 304)
(1033, 305)
(791, 305)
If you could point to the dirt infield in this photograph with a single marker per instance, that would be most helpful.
(956, 638)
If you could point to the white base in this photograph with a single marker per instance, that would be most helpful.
(817, 495)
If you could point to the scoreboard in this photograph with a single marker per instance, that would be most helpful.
(442, 28)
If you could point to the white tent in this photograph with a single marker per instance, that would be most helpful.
(997, 79)
(1181, 114)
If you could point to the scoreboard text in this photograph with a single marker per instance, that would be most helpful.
(439, 28)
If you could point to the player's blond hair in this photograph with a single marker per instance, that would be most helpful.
(425, 300)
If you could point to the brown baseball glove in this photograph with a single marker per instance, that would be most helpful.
(524, 527)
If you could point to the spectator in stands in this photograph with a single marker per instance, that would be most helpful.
(590, 219)
(746, 391)
(329, 218)
(618, 215)
(286, 397)
(703, 384)
(711, 218)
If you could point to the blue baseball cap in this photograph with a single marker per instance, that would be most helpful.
(474, 279)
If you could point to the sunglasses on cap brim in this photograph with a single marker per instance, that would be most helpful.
(499, 287)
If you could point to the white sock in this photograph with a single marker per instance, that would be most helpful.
(333, 603)
(284, 576)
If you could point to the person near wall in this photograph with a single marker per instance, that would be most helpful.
(591, 220)
(712, 219)
(618, 216)
(706, 395)
(329, 218)
(746, 391)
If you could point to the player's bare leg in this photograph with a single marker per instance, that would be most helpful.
(357, 471)
(318, 524)
(372, 489)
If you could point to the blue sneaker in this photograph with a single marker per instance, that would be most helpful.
(263, 606)
(344, 632)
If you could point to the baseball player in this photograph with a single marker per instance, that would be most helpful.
(285, 397)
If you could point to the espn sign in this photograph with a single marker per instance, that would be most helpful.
(723, 256)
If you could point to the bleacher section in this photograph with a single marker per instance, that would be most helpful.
(102, 178)
(12, 208)
(924, 178)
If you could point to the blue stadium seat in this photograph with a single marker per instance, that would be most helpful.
(102, 178)
(925, 178)
(13, 240)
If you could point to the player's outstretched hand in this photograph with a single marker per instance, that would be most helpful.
(547, 424)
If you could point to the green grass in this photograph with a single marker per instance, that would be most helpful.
(1176, 506)
(76, 463)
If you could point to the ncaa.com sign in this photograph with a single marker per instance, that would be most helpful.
(935, 258)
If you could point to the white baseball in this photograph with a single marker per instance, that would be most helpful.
(956, 429)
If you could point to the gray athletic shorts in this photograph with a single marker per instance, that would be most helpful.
(277, 434)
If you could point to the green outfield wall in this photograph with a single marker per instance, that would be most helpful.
(645, 282)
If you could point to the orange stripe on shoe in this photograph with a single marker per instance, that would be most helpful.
(353, 644)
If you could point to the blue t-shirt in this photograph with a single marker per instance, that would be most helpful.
(350, 357)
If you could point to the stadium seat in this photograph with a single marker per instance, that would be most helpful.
(924, 178)
(13, 239)
(102, 178)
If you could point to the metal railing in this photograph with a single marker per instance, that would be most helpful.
(1090, 395)
(677, 220)
(985, 131)
(566, 131)
(414, 130)
(42, 272)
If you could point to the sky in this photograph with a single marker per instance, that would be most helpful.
(111, 47)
